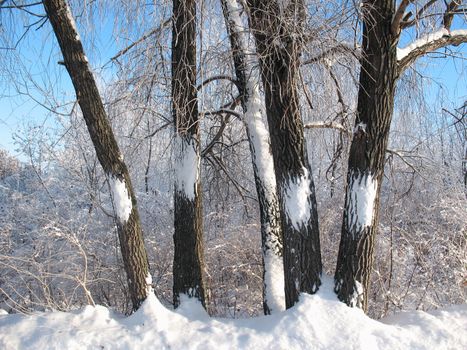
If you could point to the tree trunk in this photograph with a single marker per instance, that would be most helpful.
(128, 224)
(378, 77)
(263, 164)
(188, 238)
(278, 35)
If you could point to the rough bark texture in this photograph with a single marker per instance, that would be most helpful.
(367, 153)
(188, 239)
(278, 34)
(271, 233)
(129, 231)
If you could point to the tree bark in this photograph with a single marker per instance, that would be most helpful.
(278, 35)
(128, 224)
(261, 156)
(188, 236)
(378, 77)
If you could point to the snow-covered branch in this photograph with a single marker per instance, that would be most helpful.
(428, 43)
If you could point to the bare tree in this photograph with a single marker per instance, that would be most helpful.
(124, 200)
(278, 31)
(188, 238)
(248, 83)
(381, 65)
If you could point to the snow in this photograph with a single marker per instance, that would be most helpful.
(357, 296)
(259, 136)
(296, 193)
(186, 165)
(149, 289)
(360, 200)
(317, 321)
(274, 280)
(402, 53)
(121, 198)
(72, 22)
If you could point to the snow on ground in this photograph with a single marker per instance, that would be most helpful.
(316, 322)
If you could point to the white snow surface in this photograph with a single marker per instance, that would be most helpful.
(430, 37)
(360, 200)
(318, 321)
(296, 194)
(121, 199)
(274, 280)
(186, 165)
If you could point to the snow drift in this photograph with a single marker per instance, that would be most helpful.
(317, 322)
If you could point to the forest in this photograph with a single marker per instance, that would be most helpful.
(234, 152)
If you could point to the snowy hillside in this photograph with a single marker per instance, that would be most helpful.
(317, 322)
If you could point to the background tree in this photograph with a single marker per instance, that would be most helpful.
(188, 238)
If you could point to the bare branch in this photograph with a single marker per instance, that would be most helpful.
(338, 49)
(449, 14)
(407, 23)
(216, 77)
(396, 23)
(143, 38)
(328, 125)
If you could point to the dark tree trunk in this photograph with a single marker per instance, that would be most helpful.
(278, 35)
(261, 155)
(188, 238)
(378, 77)
(128, 224)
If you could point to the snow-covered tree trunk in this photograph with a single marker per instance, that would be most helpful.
(128, 224)
(277, 28)
(263, 164)
(367, 153)
(188, 238)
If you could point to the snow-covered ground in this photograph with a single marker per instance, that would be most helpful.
(317, 322)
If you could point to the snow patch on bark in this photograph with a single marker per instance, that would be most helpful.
(121, 199)
(274, 282)
(149, 289)
(402, 53)
(259, 137)
(356, 300)
(71, 19)
(296, 194)
(360, 201)
(187, 163)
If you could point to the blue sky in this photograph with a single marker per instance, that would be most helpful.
(39, 53)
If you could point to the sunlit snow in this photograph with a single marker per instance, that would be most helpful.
(318, 321)
(121, 199)
(360, 200)
(186, 166)
(296, 193)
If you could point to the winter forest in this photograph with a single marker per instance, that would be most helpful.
(242, 155)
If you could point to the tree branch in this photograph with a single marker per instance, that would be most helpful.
(396, 23)
(431, 42)
(338, 49)
(217, 77)
(328, 125)
(143, 38)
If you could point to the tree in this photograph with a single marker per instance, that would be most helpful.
(248, 83)
(188, 238)
(278, 32)
(381, 66)
(128, 224)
